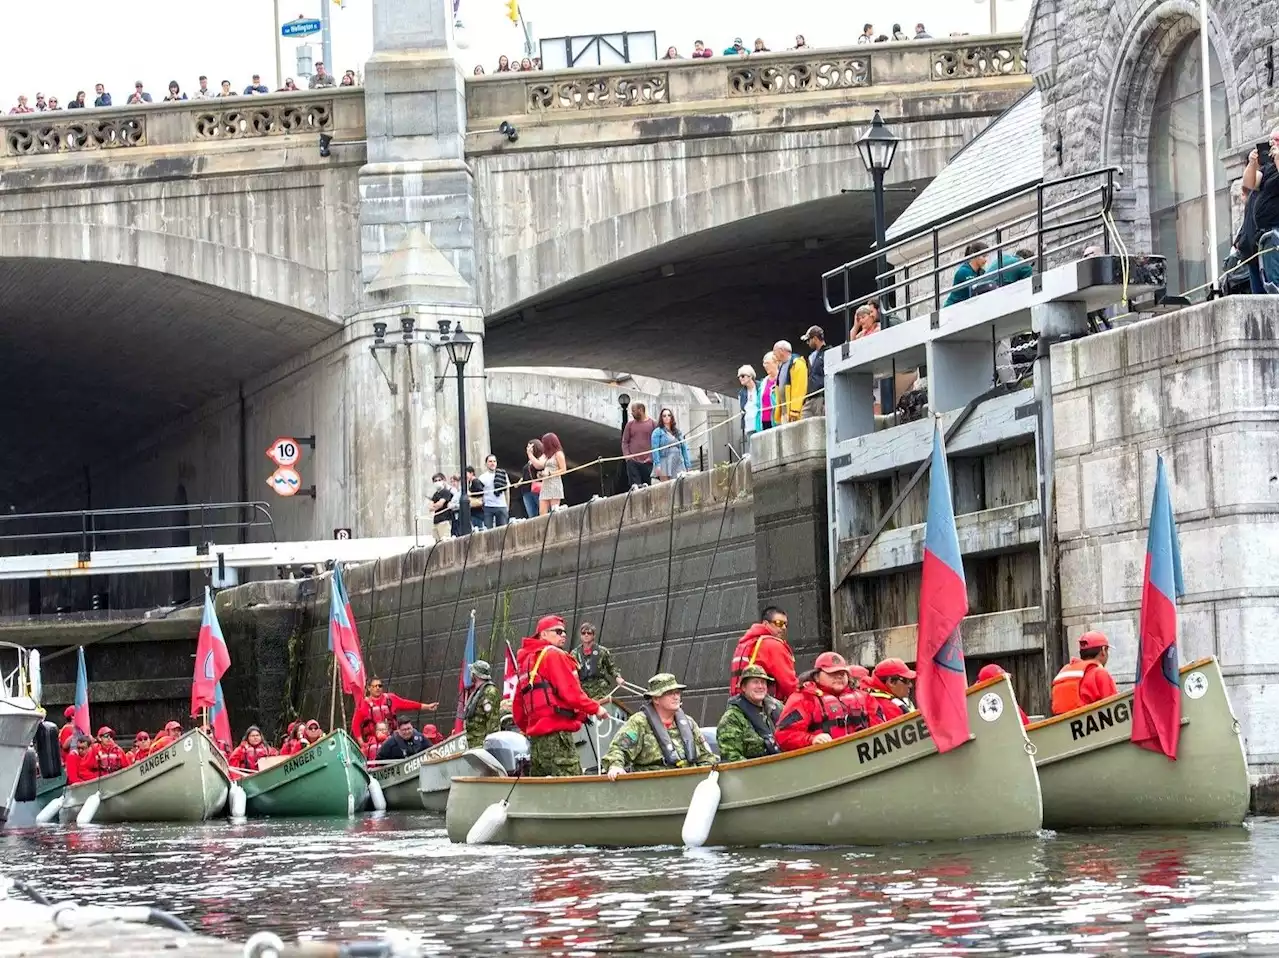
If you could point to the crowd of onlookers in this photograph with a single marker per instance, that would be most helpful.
(102, 98)
(738, 49)
(513, 65)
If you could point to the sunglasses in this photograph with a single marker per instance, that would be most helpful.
(588, 632)
(779, 623)
(559, 631)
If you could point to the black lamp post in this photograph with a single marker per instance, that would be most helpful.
(459, 346)
(877, 147)
(624, 401)
(621, 484)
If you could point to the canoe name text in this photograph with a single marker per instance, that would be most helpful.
(891, 740)
(306, 757)
(149, 765)
(1086, 725)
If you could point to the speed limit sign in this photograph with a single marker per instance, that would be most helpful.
(285, 451)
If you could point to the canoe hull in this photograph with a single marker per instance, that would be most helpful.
(399, 780)
(186, 782)
(328, 778)
(435, 777)
(881, 786)
(1093, 776)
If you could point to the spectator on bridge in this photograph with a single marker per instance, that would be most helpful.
(526, 65)
(759, 46)
(53, 104)
(537, 63)
(816, 404)
(670, 450)
(348, 78)
(637, 446)
(139, 95)
(77, 101)
(921, 33)
(226, 89)
(478, 71)
(204, 93)
(256, 86)
(41, 105)
(504, 65)
(1017, 265)
(975, 265)
(530, 476)
(22, 106)
(495, 483)
(749, 401)
(737, 49)
(769, 391)
(441, 500)
(897, 33)
(866, 320)
(475, 499)
(800, 43)
(103, 98)
(793, 382)
(321, 78)
(455, 507)
(701, 51)
(1260, 180)
(175, 92)
(552, 467)
(672, 54)
(868, 34)
(289, 86)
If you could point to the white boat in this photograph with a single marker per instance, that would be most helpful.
(20, 715)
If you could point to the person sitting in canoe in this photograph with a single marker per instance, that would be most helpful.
(765, 644)
(596, 671)
(748, 728)
(76, 761)
(380, 733)
(659, 735)
(311, 733)
(855, 698)
(251, 748)
(384, 706)
(297, 739)
(432, 734)
(172, 732)
(407, 741)
(888, 691)
(105, 756)
(484, 703)
(141, 746)
(549, 705)
(815, 713)
(67, 733)
(1085, 679)
(993, 671)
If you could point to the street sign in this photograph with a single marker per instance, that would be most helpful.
(342, 533)
(285, 482)
(302, 27)
(285, 451)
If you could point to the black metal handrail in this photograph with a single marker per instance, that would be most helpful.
(936, 262)
(87, 523)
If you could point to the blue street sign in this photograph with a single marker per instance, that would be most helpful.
(300, 28)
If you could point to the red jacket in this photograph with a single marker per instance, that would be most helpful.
(77, 770)
(855, 706)
(291, 747)
(551, 700)
(370, 747)
(384, 708)
(161, 742)
(760, 646)
(64, 736)
(1081, 682)
(105, 759)
(881, 705)
(246, 756)
(808, 713)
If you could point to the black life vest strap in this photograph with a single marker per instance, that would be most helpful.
(474, 700)
(668, 750)
(757, 718)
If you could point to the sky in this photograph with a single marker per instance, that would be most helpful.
(61, 46)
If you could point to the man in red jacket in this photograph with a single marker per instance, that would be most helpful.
(815, 713)
(105, 756)
(172, 732)
(67, 734)
(76, 761)
(379, 706)
(855, 698)
(888, 691)
(765, 644)
(549, 704)
(1085, 679)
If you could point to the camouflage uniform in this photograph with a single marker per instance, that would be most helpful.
(737, 738)
(484, 707)
(635, 748)
(600, 676)
(553, 755)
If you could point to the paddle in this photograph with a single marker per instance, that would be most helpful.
(702, 811)
(491, 819)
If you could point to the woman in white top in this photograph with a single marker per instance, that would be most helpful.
(552, 464)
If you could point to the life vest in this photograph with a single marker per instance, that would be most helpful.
(474, 700)
(831, 718)
(1065, 692)
(762, 723)
(589, 664)
(748, 651)
(876, 701)
(247, 756)
(855, 705)
(531, 687)
(108, 760)
(669, 757)
(381, 710)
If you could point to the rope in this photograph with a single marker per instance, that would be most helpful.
(497, 594)
(617, 536)
(671, 537)
(537, 579)
(422, 612)
(697, 624)
(453, 618)
(577, 574)
(395, 638)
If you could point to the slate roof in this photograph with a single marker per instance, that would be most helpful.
(1004, 157)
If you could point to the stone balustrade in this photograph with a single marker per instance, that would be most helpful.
(794, 73)
(338, 112)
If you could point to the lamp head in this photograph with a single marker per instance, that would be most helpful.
(459, 346)
(624, 400)
(877, 146)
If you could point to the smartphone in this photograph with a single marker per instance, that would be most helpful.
(1264, 152)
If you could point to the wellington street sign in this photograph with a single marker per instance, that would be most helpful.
(302, 27)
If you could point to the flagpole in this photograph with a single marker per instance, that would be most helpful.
(1210, 156)
(333, 694)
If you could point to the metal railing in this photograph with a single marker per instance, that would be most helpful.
(1044, 228)
(89, 525)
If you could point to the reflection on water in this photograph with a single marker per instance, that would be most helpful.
(1139, 892)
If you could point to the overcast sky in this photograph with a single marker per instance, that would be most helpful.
(61, 46)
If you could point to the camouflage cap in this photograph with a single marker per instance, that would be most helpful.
(662, 683)
(480, 669)
(754, 671)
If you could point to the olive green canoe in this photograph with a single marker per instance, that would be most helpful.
(186, 782)
(1092, 775)
(399, 779)
(327, 778)
(436, 773)
(886, 784)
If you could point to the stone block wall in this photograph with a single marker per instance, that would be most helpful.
(1200, 387)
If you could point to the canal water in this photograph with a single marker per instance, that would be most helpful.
(1202, 892)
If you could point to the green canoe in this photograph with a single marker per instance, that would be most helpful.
(884, 785)
(327, 778)
(1092, 775)
(186, 782)
(399, 779)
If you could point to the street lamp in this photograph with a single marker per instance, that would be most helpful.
(624, 401)
(877, 147)
(459, 346)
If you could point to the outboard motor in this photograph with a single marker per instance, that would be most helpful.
(48, 751)
(26, 791)
(511, 749)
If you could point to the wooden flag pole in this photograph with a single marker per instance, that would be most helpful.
(333, 694)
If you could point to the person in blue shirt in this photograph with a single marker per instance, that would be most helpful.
(975, 265)
(1015, 266)
(257, 86)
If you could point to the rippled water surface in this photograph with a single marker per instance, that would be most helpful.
(1105, 893)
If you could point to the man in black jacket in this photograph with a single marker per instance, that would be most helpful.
(816, 403)
(405, 742)
(1262, 176)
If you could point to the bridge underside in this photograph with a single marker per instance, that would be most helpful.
(99, 356)
(732, 292)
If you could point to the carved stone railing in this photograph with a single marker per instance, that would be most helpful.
(585, 92)
(979, 61)
(800, 76)
(131, 129)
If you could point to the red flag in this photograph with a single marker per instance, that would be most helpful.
(221, 721)
(212, 659)
(464, 677)
(510, 677)
(344, 641)
(941, 681)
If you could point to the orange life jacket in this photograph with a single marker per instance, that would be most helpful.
(1065, 692)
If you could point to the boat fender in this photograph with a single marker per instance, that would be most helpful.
(26, 790)
(702, 811)
(377, 800)
(48, 751)
(50, 811)
(488, 824)
(89, 809)
(264, 944)
(236, 800)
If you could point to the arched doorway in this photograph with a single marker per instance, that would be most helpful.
(1176, 152)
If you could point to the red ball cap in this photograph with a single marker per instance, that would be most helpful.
(106, 730)
(430, 729)
(70, 711)
(893, 669)
(831, 662)
(174, 726)
(991, 671)
(548, 622)
(142, 737)
(1094, 640)
(858, 672)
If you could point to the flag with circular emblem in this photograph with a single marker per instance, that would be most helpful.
(212, 658)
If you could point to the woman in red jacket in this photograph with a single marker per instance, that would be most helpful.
(380, 733)
(815, 713)
(252, 748)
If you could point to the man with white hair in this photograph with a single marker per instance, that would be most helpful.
(793, 382)
(749, 400)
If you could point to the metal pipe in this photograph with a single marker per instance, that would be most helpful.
(464, 487)
(326, 31)
(275, 35)
(1210, 154)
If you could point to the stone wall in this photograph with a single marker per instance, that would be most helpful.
(1200, 387)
